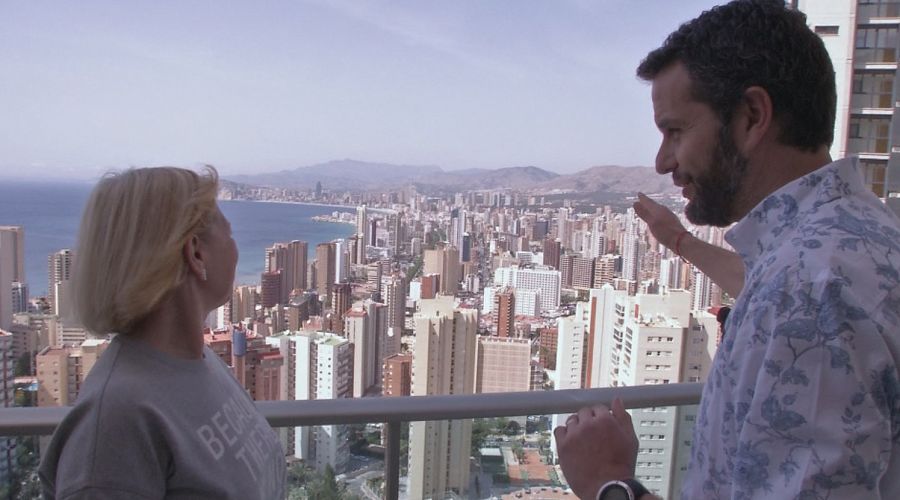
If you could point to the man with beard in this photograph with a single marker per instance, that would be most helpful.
(803, 398)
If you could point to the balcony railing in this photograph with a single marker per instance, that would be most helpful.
(395, 411)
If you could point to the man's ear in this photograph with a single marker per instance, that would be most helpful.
(193, 257)
(752, 120)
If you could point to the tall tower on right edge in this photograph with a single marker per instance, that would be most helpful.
(863, 39)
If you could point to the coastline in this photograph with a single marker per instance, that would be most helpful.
(314, 204)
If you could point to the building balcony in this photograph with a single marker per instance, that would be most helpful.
(395, 411)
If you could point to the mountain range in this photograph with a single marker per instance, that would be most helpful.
(354, 175)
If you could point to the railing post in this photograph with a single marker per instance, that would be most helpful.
(392, 460)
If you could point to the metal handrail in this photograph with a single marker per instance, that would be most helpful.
(394, 410)
(34, 421)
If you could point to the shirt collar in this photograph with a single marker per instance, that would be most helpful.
(761, 228)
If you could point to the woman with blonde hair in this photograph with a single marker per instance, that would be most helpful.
(160, 415)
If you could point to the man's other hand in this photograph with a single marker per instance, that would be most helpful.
(596, 445)
(663, 223)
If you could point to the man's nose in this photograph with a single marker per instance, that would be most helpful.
(665, 159)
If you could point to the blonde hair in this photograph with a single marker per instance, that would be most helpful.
(133, 231)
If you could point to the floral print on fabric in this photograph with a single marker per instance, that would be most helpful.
(803, 400)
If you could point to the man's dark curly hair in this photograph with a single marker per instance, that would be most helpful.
(756, 43)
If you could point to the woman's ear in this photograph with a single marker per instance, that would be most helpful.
(193, 257)
(752, 120)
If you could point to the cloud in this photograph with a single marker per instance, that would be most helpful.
(441, 32)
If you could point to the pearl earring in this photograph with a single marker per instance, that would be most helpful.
(203, 274)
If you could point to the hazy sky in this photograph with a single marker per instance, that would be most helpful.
(261, 86)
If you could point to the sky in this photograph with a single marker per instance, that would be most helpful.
(263, 86)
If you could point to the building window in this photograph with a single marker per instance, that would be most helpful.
(826, 30)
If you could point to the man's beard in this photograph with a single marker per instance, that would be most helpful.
(716, 190)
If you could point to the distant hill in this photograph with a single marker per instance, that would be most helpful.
(613, 179)
(353, 175)
(340, 175)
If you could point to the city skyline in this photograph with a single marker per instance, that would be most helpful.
(252, 90)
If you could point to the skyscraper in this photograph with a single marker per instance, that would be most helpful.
(657, 339)
(61, 371)
(360, 333)
(505, 312)
(397, 379)
(324, 270)
(443, 363)
(290, 259)
(551, 253)
(861, 38)
(8, 255)
(395, 300)
(333, 361)
(59, 274)
(362, 233)
(582, 272)
(340, 304)
(270, 288)
(17, 248)
(243, 303)
(503, 365)
(341, 261)
(631, 254)
(444, 262)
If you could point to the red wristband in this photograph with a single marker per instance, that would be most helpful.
(678, 239)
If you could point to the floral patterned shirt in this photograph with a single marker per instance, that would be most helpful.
(803, 399)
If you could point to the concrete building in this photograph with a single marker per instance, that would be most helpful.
(395, 300)
(332, 360)
(657, 339)
(290, 259)
(429, 285)
(445, 263)
(631, 249)
(243, 303)
(604, 270)
(59, 274)
(61, 370)
(317, 365)
(582, 272)
(443, 363)
(504, 312)
(7, 399)
(257, 366)
(270, 289)
(362, 234)
(397, 379)
(545, 281)
(8, 255)
(503, 365)
(325, 262)
(862, 39)
(340, 304)
(358, 330)
(16, 246)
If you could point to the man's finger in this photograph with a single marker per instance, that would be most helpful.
(559, 433)
(639, 209)
(587, 413)
(618, 411)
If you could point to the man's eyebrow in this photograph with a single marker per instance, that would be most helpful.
(664, 123)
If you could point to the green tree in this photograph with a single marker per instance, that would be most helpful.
(326, 487)
(519, 451)
(481, 429)
(23, 365)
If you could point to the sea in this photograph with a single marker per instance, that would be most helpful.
(50, 213)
